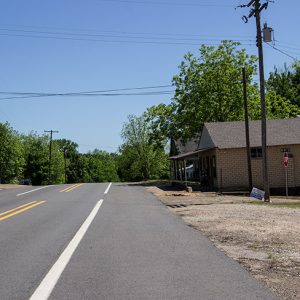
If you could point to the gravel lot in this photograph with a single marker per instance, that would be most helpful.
(265, 239)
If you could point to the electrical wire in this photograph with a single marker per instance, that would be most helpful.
(94, 31)
(115, 41)
(281, 51)
(150, 41)
(168, 3)
(103, 93)
(98, 95)
(90, 92)
(282, 45)
(288, 43)
(51, 33)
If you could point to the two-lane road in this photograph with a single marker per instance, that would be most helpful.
(35, 227)
(64, 241)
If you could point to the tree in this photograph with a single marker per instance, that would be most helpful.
(141, 157)
(71, 156)
(208, 89)
(279, 107)
(283, 87)
(100, 167)
(11, 154)
(36, 155)
(57, 164)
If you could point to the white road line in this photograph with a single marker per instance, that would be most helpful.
(33, 190)
(47, 285)
(107, 189)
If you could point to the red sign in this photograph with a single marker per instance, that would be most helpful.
(285, 159)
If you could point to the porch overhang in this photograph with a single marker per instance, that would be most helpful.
(190, 155)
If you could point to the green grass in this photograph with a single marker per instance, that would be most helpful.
(279, 204)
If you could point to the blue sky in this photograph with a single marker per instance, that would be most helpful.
(50, 47)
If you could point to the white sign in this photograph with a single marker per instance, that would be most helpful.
(257, 194)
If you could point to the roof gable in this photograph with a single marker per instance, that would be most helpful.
(206, 140)
(232, 134)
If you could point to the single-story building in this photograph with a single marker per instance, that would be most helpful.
(219, 157)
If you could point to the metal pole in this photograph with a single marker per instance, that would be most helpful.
(247, 130)
(263, 103)
(286, 182)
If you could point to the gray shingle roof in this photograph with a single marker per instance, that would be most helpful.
(226, 135)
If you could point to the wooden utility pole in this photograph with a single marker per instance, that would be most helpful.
(257, 7)
(65, 160)
(50, 153)
(247, 130)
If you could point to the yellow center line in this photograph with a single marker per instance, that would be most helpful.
(16, 208)
(22, 210)
(68, 187)
(75, 187)
(71, 187)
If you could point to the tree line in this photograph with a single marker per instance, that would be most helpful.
(26, 157)
(208, 88)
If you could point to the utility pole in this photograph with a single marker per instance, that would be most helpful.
(50, 153)
(247, 130)
(257, 8)
(65, 159)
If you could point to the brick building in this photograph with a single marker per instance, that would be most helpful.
(219, 157)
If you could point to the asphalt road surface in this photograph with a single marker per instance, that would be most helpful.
(101, 241)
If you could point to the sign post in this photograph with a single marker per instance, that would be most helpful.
(286, 162)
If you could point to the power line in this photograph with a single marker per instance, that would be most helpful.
(111, 41)
(126, 32)
(118, 41)
(281, 51)
(51, 33)
(97, 91)
(168, 3)
(98, 95)
(283, 45)
(288, 43)
(102, 93)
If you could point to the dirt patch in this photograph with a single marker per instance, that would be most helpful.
(265, 239)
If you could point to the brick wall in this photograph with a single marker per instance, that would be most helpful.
(232, 168)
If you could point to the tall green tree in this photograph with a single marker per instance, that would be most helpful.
(141, 157)
(57, 164)
(208, 89)
(11, 154)
(283, 87)
(100, 167)
(36, 155)
(71, 156)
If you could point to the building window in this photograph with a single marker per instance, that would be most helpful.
(256, 152)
